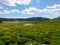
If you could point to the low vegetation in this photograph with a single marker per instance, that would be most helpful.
(35, 34)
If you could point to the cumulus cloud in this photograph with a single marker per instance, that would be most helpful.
(9, 11)
(4, 12)
(14, 2)
(53, 10)
(31, 10)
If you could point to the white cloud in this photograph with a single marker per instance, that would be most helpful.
(9, 11)
(15, 11)
(53, 10)
(31, 10)
(14, 2)
(54, 6)
(4, 12)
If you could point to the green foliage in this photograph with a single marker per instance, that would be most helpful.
(19, 34)
(36, 43)
(1, 42)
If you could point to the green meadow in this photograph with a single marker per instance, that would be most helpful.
(29, 32)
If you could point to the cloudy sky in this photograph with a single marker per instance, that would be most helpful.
(29, 8)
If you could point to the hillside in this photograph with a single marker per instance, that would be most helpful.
(57, 18)
(37, 19)
(27, 19)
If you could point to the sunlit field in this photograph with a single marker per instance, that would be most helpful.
(29, 33)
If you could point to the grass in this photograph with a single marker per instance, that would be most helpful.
(37, 33)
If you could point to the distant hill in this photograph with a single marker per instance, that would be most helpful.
(1, 20)
(27, 19)
(57, 18)
(37, 19)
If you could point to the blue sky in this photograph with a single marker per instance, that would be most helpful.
(29, 8)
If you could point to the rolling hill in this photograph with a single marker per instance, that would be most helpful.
(27, 19)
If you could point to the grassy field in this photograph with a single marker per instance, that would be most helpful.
(27, 33)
